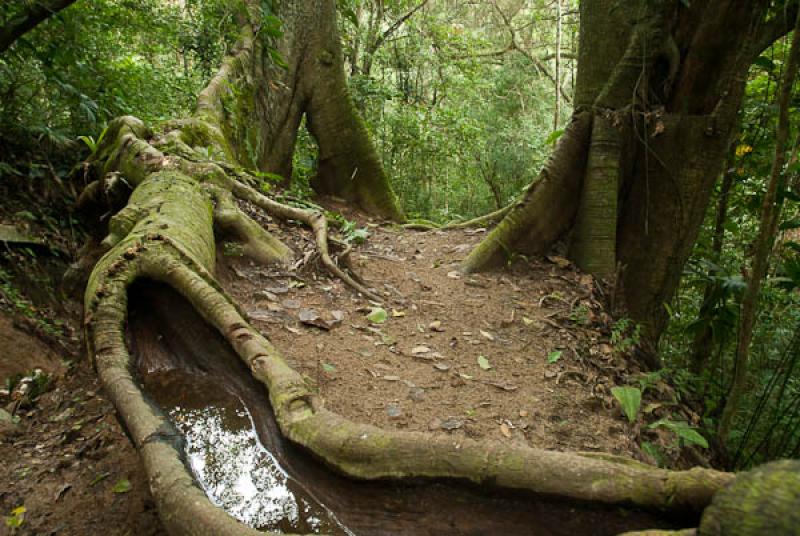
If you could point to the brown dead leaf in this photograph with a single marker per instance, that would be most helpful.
(505, 430)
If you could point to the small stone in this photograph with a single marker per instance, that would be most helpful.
(452, 424)
(416, 394)
(394, 411)
(8, 428)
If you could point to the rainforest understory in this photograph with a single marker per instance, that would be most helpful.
(498, 353)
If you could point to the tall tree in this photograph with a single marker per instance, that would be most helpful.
(770, 217)
(659, 86)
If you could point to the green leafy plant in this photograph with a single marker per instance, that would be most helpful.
(625, 335)
(683, 430)
(630, 399)
(352, 234)
(17, 517)
(93, 144)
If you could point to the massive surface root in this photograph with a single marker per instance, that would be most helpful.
(166, 234)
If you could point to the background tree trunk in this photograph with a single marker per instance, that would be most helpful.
(262, 106)
(664, 82)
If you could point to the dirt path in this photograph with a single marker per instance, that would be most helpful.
(521, 355)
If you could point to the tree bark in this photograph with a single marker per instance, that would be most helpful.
(663, 82)
(28, 18)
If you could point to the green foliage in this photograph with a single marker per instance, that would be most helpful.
(630, 399)
(352, 234)
(768, 423)
(79, 69)
(625, 335)
(683, 431)
(461, 133)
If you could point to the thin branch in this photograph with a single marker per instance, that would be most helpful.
(396, 25)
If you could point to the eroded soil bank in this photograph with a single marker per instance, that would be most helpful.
(212, 399)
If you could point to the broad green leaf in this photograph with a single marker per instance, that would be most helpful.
(630, 398)
(377, 315)
(553, 137)
(683, 431)
(123, 485)
(484, 363)
(692, 436)
(554, 356)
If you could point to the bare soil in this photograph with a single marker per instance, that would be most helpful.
(69, 455)
(520, 355)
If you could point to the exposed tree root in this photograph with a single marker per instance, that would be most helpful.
(548, 207)
(166, 233)
(172, 241)
(257, 243)
(318, 223)
(486, 219)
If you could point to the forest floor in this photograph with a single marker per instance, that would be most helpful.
(523, 355)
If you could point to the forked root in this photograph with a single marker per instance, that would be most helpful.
(314, 219)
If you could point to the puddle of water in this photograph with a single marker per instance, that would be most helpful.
(239, 457)
(239, 475)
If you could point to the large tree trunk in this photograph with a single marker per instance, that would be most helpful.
(663, 82)
(165, 233)
(259, 106)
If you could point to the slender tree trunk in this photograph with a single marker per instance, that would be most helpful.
(770, 216)
(557, 110)
(703, 342)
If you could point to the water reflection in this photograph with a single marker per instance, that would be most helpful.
(241, 476)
